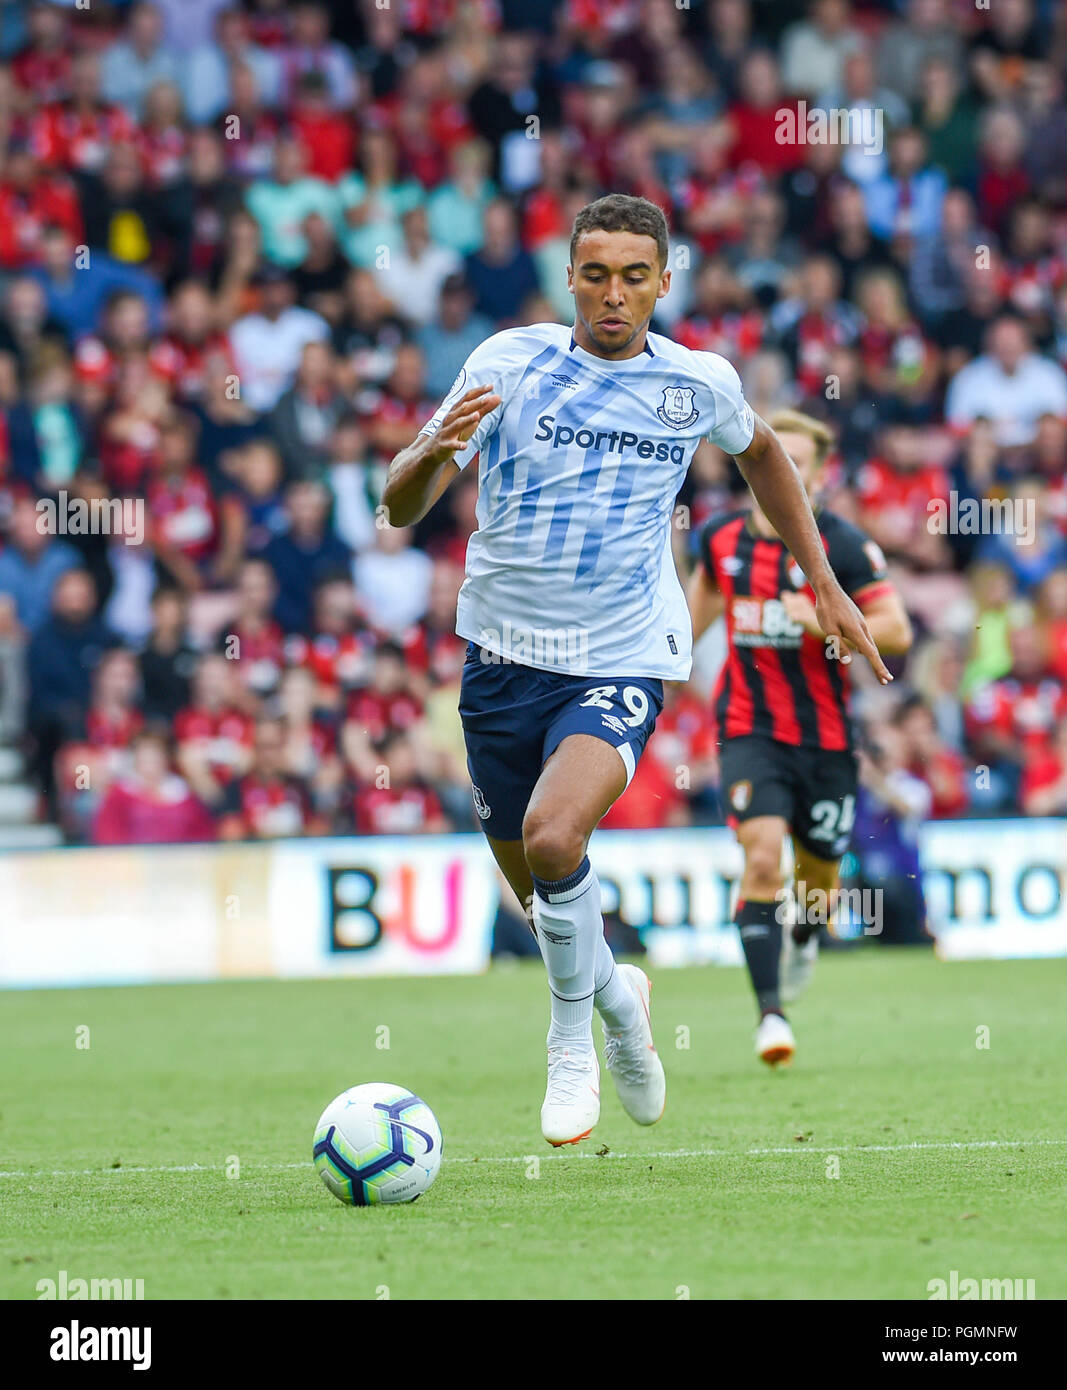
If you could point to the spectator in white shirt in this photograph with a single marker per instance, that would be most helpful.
(267, 346)
(1011, 385)
(814, 50)
(415, 272)
(393, 579)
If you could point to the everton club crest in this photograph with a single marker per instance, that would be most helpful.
(677, 409)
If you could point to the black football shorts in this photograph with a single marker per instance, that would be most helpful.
(814, 791)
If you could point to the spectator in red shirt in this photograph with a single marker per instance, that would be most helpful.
(130, 433)
(86, 767)
(757, 120)
(943, 770)
(386, 704)
(76, 134)
(338, 651)
(1010, 717)
(31, 200)
(1002, 180)
(270, 23)
(192, 343)
(42, 68)
(897, 359)
(214, 736)
(544, 215)
(163, 137)
(327, 135)
(124, 334)
(152, 805)
(1043, 788)
(722, 318)
(1033, 269)
(427, 121)
(268, 803)
(433, 654)
(685, 745)
(252, 638)
(894, 491)
(713, 200)
(1052, 606)
(393, 422)
(397, 801)
(195, 543)
(812, 324)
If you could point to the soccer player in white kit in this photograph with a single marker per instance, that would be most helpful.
(573, 609)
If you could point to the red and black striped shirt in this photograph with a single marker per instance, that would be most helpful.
(777, 680)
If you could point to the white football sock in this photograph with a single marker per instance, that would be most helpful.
(615, 1000)
(569, 927)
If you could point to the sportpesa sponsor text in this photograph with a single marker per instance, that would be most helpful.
(618, 441)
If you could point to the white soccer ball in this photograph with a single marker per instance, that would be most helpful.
(377, 1143)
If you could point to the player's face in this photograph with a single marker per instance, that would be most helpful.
(801, 450)
(615, 279)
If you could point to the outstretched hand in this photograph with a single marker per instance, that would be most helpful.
(839, 618)
(463, 419)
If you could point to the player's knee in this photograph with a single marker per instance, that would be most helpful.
(553, 845)
(763, 868)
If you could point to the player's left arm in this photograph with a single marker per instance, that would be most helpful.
(861, 570)
(887, 618)
(775, 483)
(885, 614)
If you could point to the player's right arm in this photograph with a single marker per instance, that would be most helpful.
(705, 599)
(419, 474)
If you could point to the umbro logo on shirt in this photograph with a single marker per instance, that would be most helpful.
(564, 381)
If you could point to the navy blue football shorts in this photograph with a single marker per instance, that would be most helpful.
(515, 717)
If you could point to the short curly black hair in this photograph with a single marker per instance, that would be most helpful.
(618, 212)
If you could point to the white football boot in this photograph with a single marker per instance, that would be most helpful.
(774, 1040)
(572, 1099)
(797, 965)
(632, 1059)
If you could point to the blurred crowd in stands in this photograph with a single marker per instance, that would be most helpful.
(244, 251)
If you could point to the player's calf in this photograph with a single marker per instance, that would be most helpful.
(812, 906)
(757, 915)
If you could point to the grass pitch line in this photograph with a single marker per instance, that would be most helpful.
(800, 1147)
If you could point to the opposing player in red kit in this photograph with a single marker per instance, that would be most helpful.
(781, 707)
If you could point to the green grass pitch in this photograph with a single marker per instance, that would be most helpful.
(116, 1160)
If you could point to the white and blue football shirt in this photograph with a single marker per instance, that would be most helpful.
(571, 567)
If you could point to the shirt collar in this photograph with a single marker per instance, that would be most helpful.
(624, 363)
